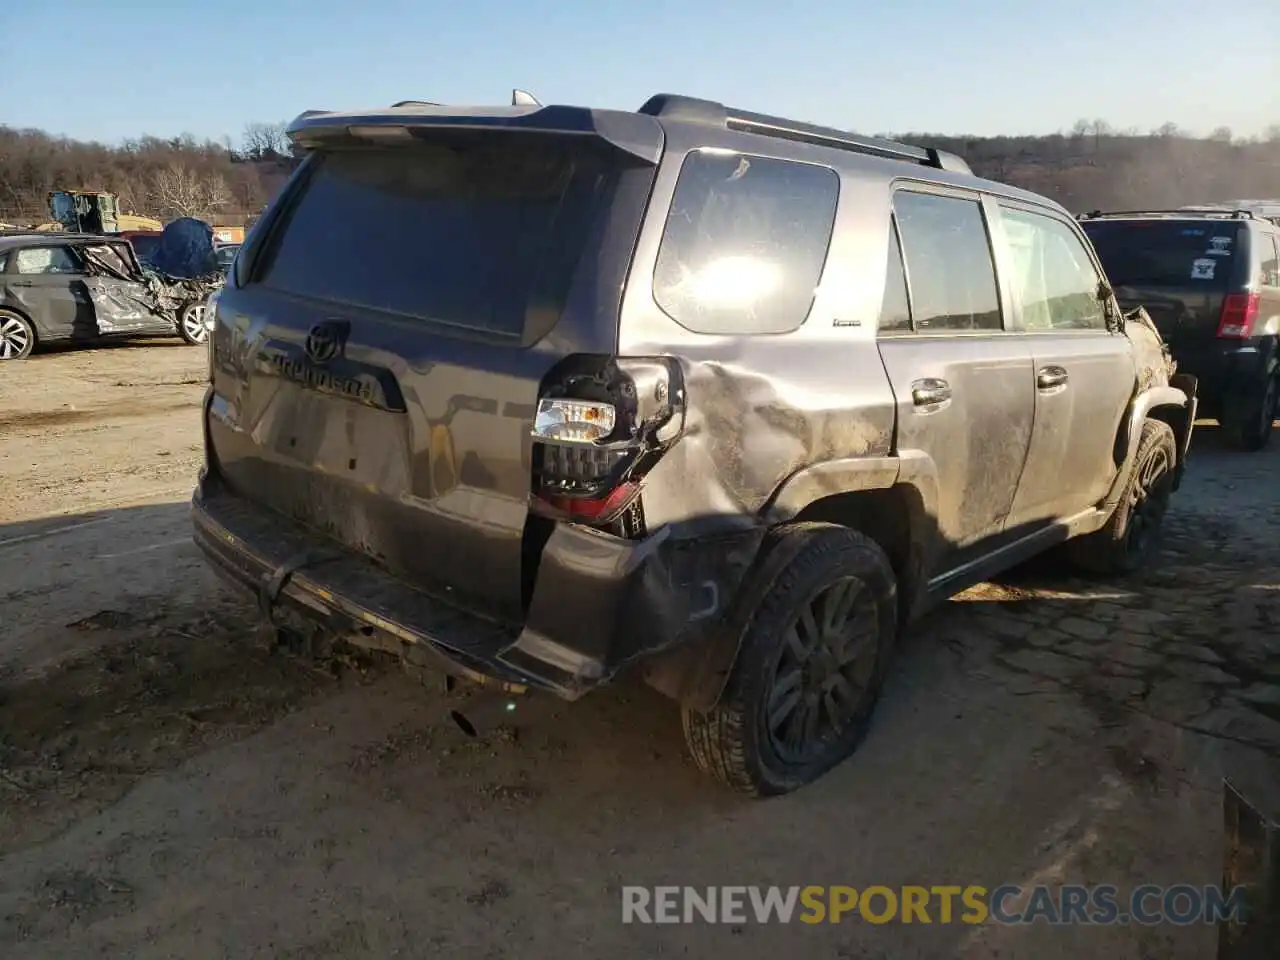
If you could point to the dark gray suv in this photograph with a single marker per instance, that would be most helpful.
(545, 394)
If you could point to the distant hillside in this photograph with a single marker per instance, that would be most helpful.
(1089, 168)
(1093, 168)
(152, 177)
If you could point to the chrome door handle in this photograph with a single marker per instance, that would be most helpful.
(21, 283)
(929, 391)
(1049, 377)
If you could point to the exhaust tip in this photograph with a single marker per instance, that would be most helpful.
(483, 713)
(460, 720)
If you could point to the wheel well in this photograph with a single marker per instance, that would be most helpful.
(1176, 418)
(894, 518)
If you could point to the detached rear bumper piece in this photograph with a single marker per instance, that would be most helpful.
(600, 603)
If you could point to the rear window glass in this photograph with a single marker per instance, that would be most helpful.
(474, 233)
(1165, 253)
(745, 242)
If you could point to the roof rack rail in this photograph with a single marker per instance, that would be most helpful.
(1182, 212)
(675, 107)
(415, 103)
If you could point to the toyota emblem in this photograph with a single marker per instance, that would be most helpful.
(324, 342)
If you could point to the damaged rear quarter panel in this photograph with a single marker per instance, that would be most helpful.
(761, 407)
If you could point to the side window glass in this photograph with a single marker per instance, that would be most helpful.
(895, 311)
(1270, 261)
(745, 242)
(1054, 278)
(45, 260)
(948, 257)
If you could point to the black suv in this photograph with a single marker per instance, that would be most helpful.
(543, 394)
(1210, 279)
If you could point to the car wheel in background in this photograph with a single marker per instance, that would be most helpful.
(1253, 431)
(17, 336)
(191, 323)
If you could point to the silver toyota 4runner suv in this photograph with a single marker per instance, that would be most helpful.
(542, 394)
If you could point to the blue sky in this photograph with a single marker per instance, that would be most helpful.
(209, 68)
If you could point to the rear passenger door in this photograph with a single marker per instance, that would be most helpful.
(961, 383)
(48, 284)
(1084, 373)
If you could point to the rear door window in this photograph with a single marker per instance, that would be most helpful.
(949, 265)
(745, 242)
(1054, 278)
(895, 308)
(1166, 253)
(477, 233)
(35, 260)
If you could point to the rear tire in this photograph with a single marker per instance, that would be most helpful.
(191, 323)
(1253, 432)
(818, 626)
(17, 336)
(1132, 534)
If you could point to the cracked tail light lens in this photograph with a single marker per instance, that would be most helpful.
(573, 421)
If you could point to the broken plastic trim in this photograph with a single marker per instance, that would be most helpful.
(590, 510)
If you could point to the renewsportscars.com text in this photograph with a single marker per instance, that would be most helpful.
(1181, 904)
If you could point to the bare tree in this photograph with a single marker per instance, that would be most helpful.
(182, 191)
(1092, 166)
(266, 141)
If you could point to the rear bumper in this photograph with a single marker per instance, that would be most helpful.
(1228, 373)
(600, 603)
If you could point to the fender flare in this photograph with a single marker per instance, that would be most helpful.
(695, 673)
(1130, 433)
(831, 477)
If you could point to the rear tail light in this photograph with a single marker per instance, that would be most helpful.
(1239, 311)
(600, 425)
(574, 421)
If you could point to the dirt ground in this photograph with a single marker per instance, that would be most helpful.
(170, 787)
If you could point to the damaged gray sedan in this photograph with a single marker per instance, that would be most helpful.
(86, 288)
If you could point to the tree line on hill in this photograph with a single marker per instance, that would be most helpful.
(152, 177)
(1092, 166)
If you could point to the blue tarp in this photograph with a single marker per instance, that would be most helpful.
(185, 250)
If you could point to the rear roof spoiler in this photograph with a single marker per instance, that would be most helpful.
(313, 125)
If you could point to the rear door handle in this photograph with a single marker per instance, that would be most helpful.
(22, 283)
(1049, 377)
(929, 391)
